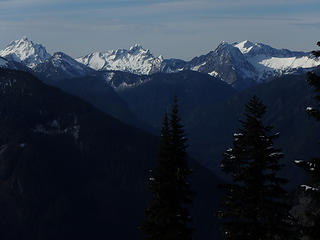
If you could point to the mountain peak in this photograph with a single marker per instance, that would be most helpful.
(223, 43)
(247, 43)
(26, 52)
(60, 66)
(135, 47)
(225, 48)
(135, 60)
(24, 38)
(60, 58)
(138, 49)
(260, 49)
(245, 46)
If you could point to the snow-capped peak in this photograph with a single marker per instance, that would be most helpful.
(244, 46)
(269, 61)
(253, 49)
(224, 47)
(26, 52)
(136, 60)
(135, 47)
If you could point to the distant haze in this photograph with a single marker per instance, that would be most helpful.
(175, 29)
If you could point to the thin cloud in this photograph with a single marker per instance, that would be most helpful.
(307, 24)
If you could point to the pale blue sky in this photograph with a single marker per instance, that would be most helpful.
(175, 28)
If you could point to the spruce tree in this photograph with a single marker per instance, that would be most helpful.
(254, 204)
(312, 167)
(167, 216)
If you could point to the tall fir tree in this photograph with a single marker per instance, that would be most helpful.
(254, 206)
(312, 167)
(167, 216)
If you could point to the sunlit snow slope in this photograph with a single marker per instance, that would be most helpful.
(26, 52)
(135, 60)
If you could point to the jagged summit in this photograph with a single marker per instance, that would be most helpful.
(224, 48)
(25, 51)
(250, 48)
(269, 61)
(136, 46)
(25, 38)
(135, 60)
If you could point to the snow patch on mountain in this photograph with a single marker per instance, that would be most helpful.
(121, 80)
(214, 74)
(26, 52)
(245, 46)
(196, 68)
(269, 61)
(135, 60)
(253, 49)
(263, 63)
(125, 85)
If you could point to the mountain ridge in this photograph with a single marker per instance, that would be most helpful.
(135, 60)
(240, 64)
(61, 66)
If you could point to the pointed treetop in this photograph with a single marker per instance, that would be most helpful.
(175, 119)
(255, 107)
(165, 126)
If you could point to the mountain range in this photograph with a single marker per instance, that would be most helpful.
(135, 60)
(136, 87)
(239, 64)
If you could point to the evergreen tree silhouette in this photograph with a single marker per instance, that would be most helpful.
(167, 216)
(254, 204)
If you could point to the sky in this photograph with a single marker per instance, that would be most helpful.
(171, 28)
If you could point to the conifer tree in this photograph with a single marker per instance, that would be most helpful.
(312, 167)
(167, 216)
(254, 204)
